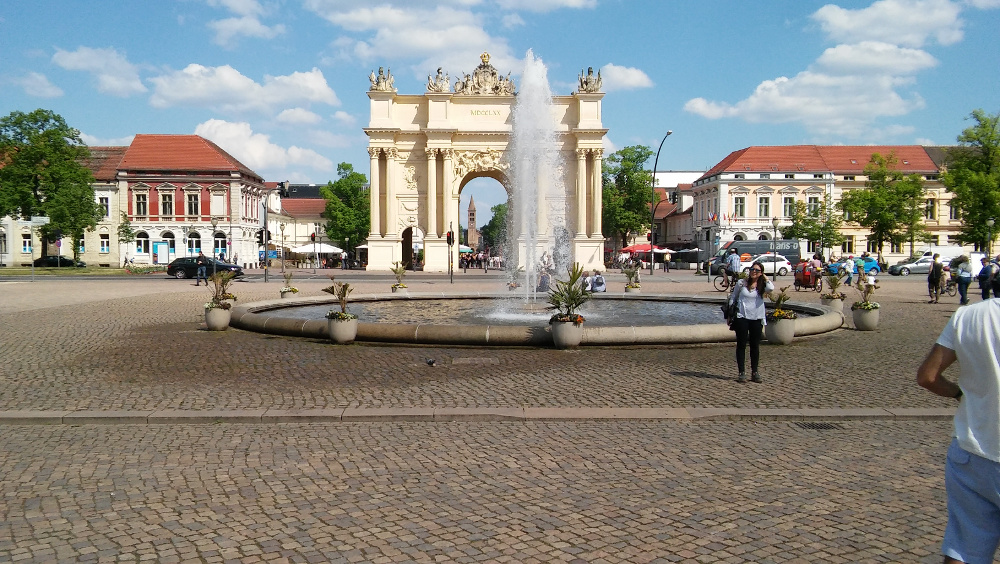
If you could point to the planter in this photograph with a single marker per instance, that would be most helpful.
(217, 319)
(287, 294)
(342, 331)
(836, 304)
(566, 334)
(396, 290)
(780, 331)
(630, 290)
(865, 319)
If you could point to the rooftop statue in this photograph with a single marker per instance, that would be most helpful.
(383, 82)
(589, 82)
(438, 83)
(485, 80)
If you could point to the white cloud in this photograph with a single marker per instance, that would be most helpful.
(298, 116)
(873, 57)
(344, 118)
(545, 5)
(924, 141)
(37, 84)
(115, 75)
(983, 4)
(901, 22)
(616, 77)
(609, 145)
(93, 141)
(256, 150)
(226, 89)
(241, 7)
(229, 30)
(335, 140)
(510, 21)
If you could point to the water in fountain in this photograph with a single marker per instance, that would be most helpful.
(537, 182)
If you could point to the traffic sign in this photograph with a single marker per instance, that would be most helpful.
(39, 220)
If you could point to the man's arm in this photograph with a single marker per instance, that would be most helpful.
(929, 374)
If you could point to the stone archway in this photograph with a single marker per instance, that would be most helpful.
(425, 147)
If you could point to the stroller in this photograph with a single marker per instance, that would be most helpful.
(807, 277)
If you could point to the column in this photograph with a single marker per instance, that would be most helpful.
(391, 207)
(450, 210)
(432, 186)
(581, 193)
(373, 192)
(598, 193)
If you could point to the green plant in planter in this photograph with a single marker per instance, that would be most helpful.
(567, 296)
(779, 311)
(340, 290)
(631, 276)
(514, 276)
(219, 286)
(867, 290)
(399, 271)
(833, 282)
(288, 284)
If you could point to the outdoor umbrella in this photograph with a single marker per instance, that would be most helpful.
(319, 248)
(638, 248)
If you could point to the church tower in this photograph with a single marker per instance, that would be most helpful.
(472, 239)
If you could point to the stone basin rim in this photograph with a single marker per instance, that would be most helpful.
(244, 316)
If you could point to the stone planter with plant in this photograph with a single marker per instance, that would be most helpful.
(566, 297)
(217, 309)
(399, 271)
(341, 325)
(288, 290)
(865, 311)
(780, 328)
(834, 298)
(632, 278)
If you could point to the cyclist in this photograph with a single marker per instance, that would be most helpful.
(733, 266)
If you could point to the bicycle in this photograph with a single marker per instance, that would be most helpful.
(722, 282)
(951, 287)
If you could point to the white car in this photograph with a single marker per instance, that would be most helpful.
(776, 265)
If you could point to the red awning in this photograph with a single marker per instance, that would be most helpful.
(638, 248)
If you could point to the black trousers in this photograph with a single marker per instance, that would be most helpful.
(748, 331)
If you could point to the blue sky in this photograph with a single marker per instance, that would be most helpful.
(281, 84)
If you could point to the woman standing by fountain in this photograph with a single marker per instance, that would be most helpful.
(749, 323)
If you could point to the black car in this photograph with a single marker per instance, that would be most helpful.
(187, 267)
(57, 261)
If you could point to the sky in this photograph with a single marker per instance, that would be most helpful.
(281, 84)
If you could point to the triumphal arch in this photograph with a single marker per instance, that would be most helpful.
(425, 148)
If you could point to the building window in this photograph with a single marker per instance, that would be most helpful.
(812, 205)
(788, 206)
(817, 176)
(872, 246)
(105, 204)
(141, 243)
(141, 206)
(83, 245)
(765, 176)
(166, 206)
(931, 177)
(739, 176)
(740, 206)
(849, 177)
(930, 210)
(192, 205)
(26, 243)
(105, 243)
(935, 240)
(194, 243)
(3, 242)
(764, 206)
(789, 176)
(848, 245)
(954, 212)
(219, 243)
(897, 247)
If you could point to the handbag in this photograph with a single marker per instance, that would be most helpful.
(730, 308)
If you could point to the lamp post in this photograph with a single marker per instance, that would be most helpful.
(697, 258)
(652, 200)
(347, 245)
(281, 226)
(989, 244)
(774, 244)
(215, 223)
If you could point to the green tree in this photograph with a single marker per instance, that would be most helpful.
(819, 224)
(881, 204)
(42, 173)
(912, 226)
(627, 192)
(495, 232)
(348, 209)
(973, 177)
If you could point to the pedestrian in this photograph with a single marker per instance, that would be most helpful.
(964, 279)
(849, 268)
(972, 469)
(935, 276)
(750, 319)
(666, 262)
(996, 279)
(343, 260)
(202, 272)
(986, 275)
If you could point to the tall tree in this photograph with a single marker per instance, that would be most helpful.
(912, 226)
(973, 176)
(495, 232)
(819, 224)
(348, 209)
(627, 192)
(881, 204)
(42, 173)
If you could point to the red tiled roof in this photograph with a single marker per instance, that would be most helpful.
(820, 158)
(910, 158)
(179, 152)
(303, 208)
(103, 162)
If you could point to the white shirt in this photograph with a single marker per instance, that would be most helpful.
(973, 332)
(750, 304)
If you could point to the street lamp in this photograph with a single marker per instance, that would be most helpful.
(281, 226)
(215, 224)
(697, 258)
(774, 242)
(652, 201)
(989, 244)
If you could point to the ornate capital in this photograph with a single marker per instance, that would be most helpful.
(582, 153)
(373, 152)
(392, 153)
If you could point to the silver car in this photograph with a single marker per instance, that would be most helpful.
(920, 266)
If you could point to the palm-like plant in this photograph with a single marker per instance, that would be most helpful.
(341, 290)
(867, 291)
(567, 296)
(833, 282)
(632, 275)
(779, 299)
(399, 271)
(288, 283)
(219, 286)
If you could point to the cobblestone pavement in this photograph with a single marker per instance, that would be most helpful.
(584, 491)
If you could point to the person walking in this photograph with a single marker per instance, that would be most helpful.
(964, 279)
(750, 319)
(935, 277)
(995, 284)
(986, 275)
(972, 467)
(202, 272)
(849, 269)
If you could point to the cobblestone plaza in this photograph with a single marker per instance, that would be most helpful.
(618, 454)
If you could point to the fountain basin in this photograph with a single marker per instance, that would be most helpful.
(816, 319)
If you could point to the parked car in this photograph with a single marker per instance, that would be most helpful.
(773, 264)
(920, 266)
(187, 267)
(871, 266)
(57, 261)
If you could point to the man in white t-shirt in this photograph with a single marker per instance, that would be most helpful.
(972, 472)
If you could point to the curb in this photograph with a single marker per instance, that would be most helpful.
(447, 414)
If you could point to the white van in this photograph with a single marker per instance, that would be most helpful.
(947, 252)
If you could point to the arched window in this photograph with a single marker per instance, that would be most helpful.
(738, 237)
(219, 245)
(142, 243)
(168, 236)
(194, 243)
